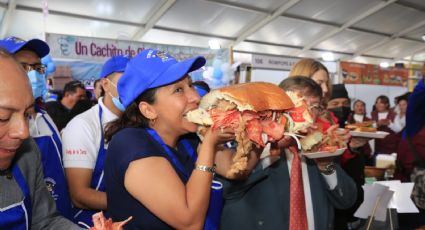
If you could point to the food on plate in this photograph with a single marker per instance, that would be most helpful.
(257, 112)
(328, 141)
(366, 126)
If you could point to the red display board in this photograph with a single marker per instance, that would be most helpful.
(356, 73)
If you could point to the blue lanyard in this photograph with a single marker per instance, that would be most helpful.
(102, 142)
(176, 162)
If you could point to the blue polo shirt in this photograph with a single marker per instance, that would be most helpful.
(128, 145)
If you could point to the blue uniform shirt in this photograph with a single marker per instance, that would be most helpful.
(128, 145)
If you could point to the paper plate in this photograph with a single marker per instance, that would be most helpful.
(376, 135)
(324, 154)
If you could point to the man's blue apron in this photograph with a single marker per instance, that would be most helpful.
(51, 157)
(17, 216)
(97, 183)
(212, 219)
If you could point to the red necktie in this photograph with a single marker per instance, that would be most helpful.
(297, 210)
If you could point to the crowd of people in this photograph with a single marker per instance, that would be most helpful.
(134, 153)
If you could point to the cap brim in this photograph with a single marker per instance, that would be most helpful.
(38, 46)
(178, 70)
(107, 73)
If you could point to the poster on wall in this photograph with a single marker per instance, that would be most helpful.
(273, 62)
(394, 76)
(84, 56)
(356, 73)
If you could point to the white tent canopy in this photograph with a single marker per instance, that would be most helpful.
(370, 31)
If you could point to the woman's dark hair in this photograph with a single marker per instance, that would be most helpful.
(403, 97)
(384, 99)
(302, 83)
(359, 101)
(131, 118)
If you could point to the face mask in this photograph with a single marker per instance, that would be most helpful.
(117, 103)
(342, 114)
(116, 100)
(38, 83)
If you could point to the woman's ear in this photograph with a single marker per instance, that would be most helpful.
(147, 110)
(105, 84)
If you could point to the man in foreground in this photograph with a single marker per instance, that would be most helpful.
(24, 198)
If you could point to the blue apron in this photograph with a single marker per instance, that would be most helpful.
(212, 220)
(51, 157)
(97, 182)
(17, 216)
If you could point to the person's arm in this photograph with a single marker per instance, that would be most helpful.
(224, 160)
(344, 194)
(396, 124)
(80, 155)
(44, 214)
(154, 182)
(82, 195)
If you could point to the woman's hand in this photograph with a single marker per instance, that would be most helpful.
(101, 223)
(383, 122)
(219, 136)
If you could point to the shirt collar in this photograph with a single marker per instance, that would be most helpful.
(107, 114)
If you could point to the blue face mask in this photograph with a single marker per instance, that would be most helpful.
(38, 83)
(117, 103)
(116, 100)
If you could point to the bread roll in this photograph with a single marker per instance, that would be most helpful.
(255, 96)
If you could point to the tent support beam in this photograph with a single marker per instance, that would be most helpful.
(346, 25)
(7, 19)
(258, 25)
(153, 19)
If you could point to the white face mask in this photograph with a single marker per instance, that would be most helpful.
(116, 100)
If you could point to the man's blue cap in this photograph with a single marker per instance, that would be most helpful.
(150, 69)
(14, 44)
(201, 91)
(113, 65)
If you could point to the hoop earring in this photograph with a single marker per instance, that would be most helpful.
(152, 121)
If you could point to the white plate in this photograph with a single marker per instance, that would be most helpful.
(377, 134)
(324, 154)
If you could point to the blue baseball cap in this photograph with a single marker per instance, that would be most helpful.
(113, 65)
(150, 69)
(14, 44)
(201, 91)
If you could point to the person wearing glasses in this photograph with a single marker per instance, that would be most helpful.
(84, 151)
(41, 127)
(59, 110)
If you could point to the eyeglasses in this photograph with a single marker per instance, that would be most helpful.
(316, 109)
(41, 68)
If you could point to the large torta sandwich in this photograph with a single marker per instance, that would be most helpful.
(258, 113)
